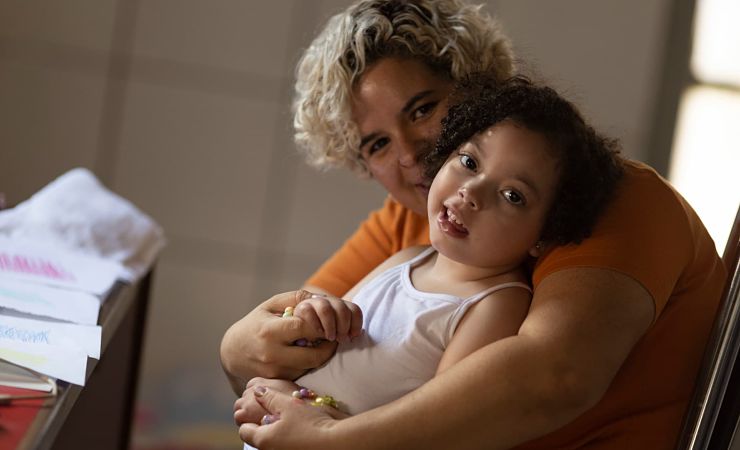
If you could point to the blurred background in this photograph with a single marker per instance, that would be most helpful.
(183, 107)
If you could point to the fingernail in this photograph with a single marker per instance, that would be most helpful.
(267, 419)
(259, 391)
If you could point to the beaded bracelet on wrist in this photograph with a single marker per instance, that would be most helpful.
(316, 400)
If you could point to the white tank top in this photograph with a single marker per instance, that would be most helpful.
(405, 333)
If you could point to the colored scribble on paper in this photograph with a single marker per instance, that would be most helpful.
(33, 266)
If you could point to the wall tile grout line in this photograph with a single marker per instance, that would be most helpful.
(64, 57)
(281, 184)
(114, 96)
(144, 69)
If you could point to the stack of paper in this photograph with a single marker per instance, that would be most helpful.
(60, 253)
(50, 300)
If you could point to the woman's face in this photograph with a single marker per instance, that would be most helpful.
(398, 105)
(488, 203)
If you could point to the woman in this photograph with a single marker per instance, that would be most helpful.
(608, 353)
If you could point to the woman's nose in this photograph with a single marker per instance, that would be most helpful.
(469, 197)
(407, 153)
(412, 146)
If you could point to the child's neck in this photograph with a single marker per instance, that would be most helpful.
(439, 273)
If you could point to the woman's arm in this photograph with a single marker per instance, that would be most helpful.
(582, 324)
(495, 317)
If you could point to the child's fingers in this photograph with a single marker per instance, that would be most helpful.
(348, 317)
(277, 303)
(355, 326)
(306, 312)
(333, 317)
(247, 409)
(327, 316)
(343, 315)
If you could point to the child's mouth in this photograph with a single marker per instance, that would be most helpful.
(451, 224)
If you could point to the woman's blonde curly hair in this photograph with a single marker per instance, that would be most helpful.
(450, 36)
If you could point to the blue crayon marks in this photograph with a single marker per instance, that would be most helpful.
(24, 335)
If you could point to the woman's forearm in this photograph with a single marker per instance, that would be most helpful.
(582, 325)
(504, 394)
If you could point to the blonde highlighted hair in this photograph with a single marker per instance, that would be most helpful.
(451, 37)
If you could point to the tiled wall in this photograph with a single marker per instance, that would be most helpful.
(182, 106)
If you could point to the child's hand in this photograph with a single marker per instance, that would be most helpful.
(332, 317)
(246, 407)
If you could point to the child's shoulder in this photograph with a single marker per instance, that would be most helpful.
(508, 300)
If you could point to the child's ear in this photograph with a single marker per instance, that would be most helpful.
(537, 249)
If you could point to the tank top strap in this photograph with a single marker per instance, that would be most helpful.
(420, 257)
(498, 287)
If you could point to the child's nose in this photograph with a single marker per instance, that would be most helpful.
(469, 197)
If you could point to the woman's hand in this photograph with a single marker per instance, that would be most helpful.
(248, 410)
(298, 424)
(261, 343)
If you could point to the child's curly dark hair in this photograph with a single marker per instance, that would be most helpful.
(588, 162)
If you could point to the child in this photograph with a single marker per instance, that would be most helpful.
(517, 170)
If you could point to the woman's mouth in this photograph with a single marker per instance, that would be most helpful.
(451, 224)
(423, 188)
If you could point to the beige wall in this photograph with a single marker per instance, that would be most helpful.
(181, 106)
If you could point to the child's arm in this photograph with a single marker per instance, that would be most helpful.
(497, 316)
(336, 318)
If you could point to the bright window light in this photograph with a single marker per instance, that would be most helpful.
(705, 165)
(716, 53)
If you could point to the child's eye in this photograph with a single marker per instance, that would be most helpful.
(468, 162)
(513, 197)
(423, 110)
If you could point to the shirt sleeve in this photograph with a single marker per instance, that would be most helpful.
(371, 244)
(645, 233)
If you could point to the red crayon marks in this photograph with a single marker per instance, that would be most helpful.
(33, 266)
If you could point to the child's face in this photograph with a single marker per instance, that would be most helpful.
(488, 203)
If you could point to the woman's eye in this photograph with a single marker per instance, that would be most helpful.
(377, 145)
(468, 162)
(423, 110)
(513, 197)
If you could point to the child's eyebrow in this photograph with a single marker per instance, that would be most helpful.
(528, 182)
(474, 141)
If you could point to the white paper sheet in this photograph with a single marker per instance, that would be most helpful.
(64, 363)
(33, 298)
(56, 349)
(43, 333)
(29, 261)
